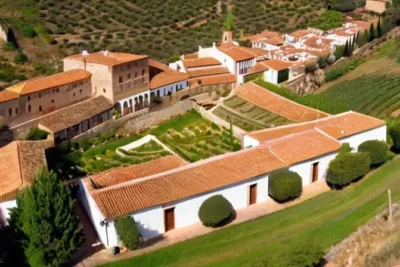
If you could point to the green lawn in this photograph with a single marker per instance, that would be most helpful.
(327, 218)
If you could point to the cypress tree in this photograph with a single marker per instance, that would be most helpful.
(371, 32)
(46, 216)
(346, 49)
(379, 28)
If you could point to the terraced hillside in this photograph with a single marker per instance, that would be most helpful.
(159, 28)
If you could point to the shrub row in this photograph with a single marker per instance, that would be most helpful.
(342, 68)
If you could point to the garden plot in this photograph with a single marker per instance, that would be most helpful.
(194, 138)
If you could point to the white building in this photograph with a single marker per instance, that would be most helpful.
(169, 196)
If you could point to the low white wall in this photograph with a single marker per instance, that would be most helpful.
(249, 142)
(140, 142)
(171, 88)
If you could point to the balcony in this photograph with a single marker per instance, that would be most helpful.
(131, 83)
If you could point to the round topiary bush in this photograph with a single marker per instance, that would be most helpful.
(377, 151)
(215, 211)
(284, 185)
(346, 168)
(128, 232)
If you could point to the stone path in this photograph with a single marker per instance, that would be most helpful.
(182, 234)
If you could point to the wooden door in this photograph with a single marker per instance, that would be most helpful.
(315, 172)
(253, 194)
(169, 219)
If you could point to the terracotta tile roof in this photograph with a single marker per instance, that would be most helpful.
(19, 162)
(346, 32)
(191, 180)
(362, 25)
(337, 126)
(265, 35)
(166, 77)
(238, 53)
(319, 43)
(299, 33)
(303, 146)
(212, 80)
(259, 67)
(48, 82)
(69, 116)
(277, 104)
(109, 58)
(191, 56)
(7, 96)
(200, 62)
(128, 173)
(277, 64)
(277, 40)
(208, 175)
(207, 71)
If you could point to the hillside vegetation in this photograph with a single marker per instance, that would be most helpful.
(163, 29)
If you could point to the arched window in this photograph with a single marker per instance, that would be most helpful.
(40, 108)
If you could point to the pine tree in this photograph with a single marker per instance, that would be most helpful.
(371, 33)
(46, 216)
(379, 28)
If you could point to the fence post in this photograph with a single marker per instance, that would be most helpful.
(390, 206)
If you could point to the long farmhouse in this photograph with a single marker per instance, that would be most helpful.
(166, 194)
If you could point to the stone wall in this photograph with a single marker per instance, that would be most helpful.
(369, 238)
(4, 33)
(306, 83)
(17, 133)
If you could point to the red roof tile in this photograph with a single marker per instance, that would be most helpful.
(109, 58)
(200, 62)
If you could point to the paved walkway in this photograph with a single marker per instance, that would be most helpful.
(182, 234)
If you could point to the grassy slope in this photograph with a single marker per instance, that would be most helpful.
(327, 218)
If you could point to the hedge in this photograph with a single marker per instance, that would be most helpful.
(36, 134)
(128, 232)
(284, 185)
(305, 252)
(394, 132)
(215, 211)
(346, 168)
(377, 151)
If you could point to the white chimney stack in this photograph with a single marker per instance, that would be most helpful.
(85, 53)
(106, 53)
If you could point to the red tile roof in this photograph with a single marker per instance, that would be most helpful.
(207, 71)
(277, 64)
(166, 77)
(208, 175)
(239, 53)
(299, 33)
(7, 96)
(19, 162)
(48, 82)
(200, 62)
(212, 80)
(277, 104)
(108, 58)
(337, 126)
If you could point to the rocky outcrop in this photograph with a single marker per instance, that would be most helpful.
(307, 83)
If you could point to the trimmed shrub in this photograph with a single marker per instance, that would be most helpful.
(394, 132)
(284, 185)
(377, 151)
(346, 168)
(215, 211)
(128, 232)
(36, 134)
(305, 252)
(345, 148)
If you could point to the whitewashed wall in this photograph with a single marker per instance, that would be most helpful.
(163, 91)
(6, 206)
(304, 169)
(249, 142)
(357, 139)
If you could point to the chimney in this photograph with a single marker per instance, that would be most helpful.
(106, 53)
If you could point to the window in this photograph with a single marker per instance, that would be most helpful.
(73, 94)
(29, 98)
(80, 91)
(40, 95)
(40, 108)
(129, 75)
(58, 90)
(52, 101)
(104, 90)
(135, 74)
(29, 108)
(10, 112)
(120, 79)
(143, 72)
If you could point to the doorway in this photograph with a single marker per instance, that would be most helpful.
(315, 172)
(169, 219)
(253, 194)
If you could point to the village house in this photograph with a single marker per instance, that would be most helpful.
(20, 161)
(166, 194)
(267, 40)
(123, 78)
(39, 96)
